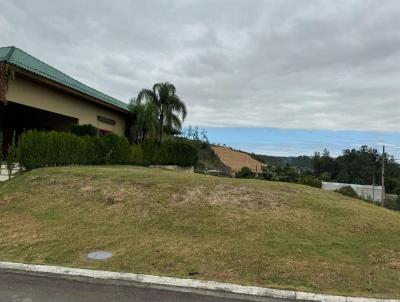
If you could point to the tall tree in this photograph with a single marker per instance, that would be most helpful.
(171, 109)
(144, 120)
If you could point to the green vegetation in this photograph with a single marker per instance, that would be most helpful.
(310, 180)
(84, 130)
(303, 162)
(172, 152)
(156, 111)
(43, 149)
(252, 232)
(144, 121)
(245, 172)
(348, 191)
(289, 174)
(157, 116)
(362, 166)
(208, 160)
(393, 202)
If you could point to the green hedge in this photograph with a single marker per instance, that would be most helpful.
(45, 149)
(168, 153)
(84, 130)
(42, 149)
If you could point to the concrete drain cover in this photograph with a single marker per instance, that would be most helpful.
(99, 255)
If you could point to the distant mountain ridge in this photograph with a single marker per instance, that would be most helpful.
(302, 161)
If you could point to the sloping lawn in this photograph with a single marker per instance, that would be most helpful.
(249, 232)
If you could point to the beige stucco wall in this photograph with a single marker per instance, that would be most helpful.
(26, 92)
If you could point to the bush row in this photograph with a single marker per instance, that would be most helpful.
(43, 149)
(169, 153)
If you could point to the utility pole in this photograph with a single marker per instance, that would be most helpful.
(373, 187)
(383, 178)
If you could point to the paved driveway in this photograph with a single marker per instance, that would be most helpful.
(26, 288)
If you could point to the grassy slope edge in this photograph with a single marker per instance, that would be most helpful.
(250, 232)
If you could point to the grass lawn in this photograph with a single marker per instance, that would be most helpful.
(159, 222)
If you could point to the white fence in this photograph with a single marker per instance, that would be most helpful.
(368, 192)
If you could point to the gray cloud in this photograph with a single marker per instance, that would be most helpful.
(287, 63)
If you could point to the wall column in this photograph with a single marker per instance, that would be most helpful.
(3, 82)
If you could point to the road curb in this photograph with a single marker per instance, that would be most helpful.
(209, 288)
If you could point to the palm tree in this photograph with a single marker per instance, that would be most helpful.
(171, 109)
(144, 122)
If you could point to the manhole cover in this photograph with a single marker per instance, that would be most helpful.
(99, 255)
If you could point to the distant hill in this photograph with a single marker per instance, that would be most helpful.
(303, 161)
(236, 160)
(228, 160)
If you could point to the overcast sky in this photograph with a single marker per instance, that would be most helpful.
(286, 64)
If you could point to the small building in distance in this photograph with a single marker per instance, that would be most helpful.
(365, 191)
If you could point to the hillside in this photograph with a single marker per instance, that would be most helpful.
(236, 160)
(160, 222)
(208, 160)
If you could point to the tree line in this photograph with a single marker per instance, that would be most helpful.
(358, 166)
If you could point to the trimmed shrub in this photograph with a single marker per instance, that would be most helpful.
(168, 153)
(84, 130)
(41, 149)
(114, 149)
(348, 191)
(44, 149)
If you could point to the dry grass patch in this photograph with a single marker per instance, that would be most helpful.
(237, 160)
(244, 197)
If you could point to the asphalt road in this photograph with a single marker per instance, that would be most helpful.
(26, 288)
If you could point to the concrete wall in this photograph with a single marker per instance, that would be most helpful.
(368, 192)
(26, 92)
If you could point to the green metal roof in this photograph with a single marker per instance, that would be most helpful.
(21, 59)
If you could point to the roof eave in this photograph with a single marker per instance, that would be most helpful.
(54, 84)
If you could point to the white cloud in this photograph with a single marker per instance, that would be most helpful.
(285, 63)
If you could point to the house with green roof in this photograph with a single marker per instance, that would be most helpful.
(35, 95)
